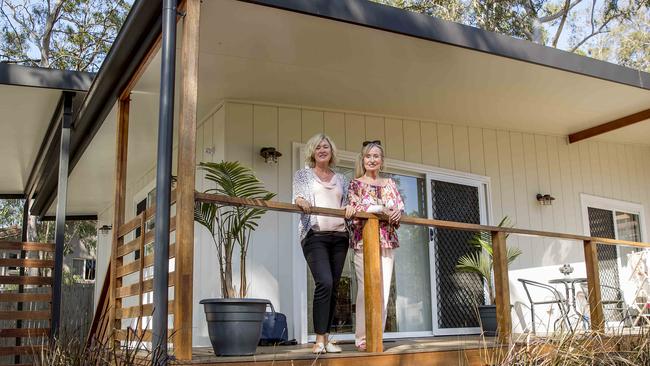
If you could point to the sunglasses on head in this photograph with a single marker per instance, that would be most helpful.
(374, 142)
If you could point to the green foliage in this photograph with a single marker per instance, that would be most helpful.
(480, 262)
(84, 231)
(11, 212)
(231, 226)
(61, 34)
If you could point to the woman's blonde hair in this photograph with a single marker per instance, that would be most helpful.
(310, 150)
(359, 169)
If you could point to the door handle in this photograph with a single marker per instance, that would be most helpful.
(431, 234)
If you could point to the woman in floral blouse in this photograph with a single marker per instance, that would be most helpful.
(370, 192)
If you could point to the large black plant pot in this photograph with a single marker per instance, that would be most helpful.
(234, 325)
(488, 314)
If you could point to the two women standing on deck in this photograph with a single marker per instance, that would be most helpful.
(325, 240)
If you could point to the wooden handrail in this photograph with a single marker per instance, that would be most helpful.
(372, 270)
(409, 220)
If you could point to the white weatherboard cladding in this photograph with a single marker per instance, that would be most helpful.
(519, 166)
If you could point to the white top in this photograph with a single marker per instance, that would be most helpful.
(328, 194)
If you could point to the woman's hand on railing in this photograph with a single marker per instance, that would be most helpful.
(349, 212)
(394, 215)
(304, 205)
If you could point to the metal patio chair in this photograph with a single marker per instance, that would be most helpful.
(562, 304)
(613, 302)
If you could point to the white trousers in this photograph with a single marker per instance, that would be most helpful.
(387, 260)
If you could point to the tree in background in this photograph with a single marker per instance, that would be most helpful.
(11, 212)
(610, 30)
(59, 34)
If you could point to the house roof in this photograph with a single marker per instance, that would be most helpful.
(352, 55)
(29, 97)
(391, 19)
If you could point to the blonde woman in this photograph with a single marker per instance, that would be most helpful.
(324, 239)
(370, 192)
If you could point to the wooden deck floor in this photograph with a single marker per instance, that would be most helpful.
(454, 350)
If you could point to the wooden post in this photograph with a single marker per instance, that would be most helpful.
(501, 285)
(593, 283)
(372, 288)
(183, 295)
(122, 146)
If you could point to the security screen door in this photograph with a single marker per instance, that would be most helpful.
(456, 294)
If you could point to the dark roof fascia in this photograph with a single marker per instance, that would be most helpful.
(391, 19)
(39, 77)
(12, 196)
(72, 218)
(139, 32)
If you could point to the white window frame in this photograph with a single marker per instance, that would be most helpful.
(300, 313)
(85, 274)
(614, 205)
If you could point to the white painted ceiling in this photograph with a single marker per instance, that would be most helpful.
(25, 114)
(263, 54)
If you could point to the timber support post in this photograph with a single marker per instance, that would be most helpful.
(501, 286)
(593, 284)
(183, 289)
(372, 278)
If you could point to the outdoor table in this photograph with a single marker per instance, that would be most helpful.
(570, 290)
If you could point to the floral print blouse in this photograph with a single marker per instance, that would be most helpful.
(361, 196)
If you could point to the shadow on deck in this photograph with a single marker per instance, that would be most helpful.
(450, 350)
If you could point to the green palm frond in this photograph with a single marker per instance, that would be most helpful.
(480, 261)
(205, 214)
(475, 263)
(512, 254)
(231, 226)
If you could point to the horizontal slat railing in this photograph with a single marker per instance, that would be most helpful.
(27, 246)
(372, 270)
(25, 332)
(147, 286)
(108, 319)
(33, 262)
(27, 263)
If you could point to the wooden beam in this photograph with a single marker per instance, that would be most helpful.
(25, 332)
(25, 280)
(501, 286)
(407, 220)
(183, 291)
(25, 315)
(593, 286)
(119, 209)
(372, 286)
(28, 263)
(24, 297)
(34, 247)
(609, 126)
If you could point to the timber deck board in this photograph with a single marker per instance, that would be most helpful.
(450, 350)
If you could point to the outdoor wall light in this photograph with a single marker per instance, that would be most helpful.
(105, 229)
(270, 154)
(545, 199)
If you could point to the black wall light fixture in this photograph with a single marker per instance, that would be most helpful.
(545, 199)
(270, 154)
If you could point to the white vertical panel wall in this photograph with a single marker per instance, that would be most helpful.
(519, 165)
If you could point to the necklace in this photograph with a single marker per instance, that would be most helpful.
(324, 176)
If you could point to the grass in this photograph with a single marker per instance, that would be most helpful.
(623, 347)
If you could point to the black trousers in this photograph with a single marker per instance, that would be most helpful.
(325, 254)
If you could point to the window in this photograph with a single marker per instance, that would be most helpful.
(84, 268)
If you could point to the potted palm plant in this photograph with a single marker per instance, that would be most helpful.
(481, 263)
(234, 321)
